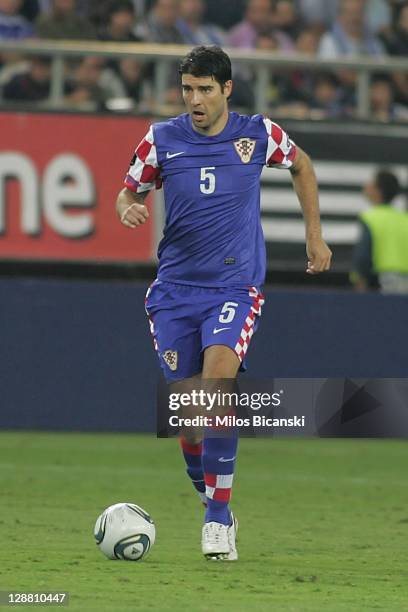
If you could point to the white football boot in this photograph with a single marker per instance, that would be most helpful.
(218, 541)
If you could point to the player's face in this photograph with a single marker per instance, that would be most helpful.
(206, 102)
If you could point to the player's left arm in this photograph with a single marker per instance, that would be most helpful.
(305, 185)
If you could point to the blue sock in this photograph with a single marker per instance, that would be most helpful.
(218, 460)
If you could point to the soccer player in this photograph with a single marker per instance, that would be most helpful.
(205, 304)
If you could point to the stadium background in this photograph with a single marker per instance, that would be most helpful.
(76, 353)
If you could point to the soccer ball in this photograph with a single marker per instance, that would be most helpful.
(125, 531)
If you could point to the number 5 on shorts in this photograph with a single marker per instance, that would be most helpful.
(227, 312)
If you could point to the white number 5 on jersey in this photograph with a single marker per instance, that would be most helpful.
(207, 179)
(227, 312)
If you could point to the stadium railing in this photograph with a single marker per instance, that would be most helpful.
(165, 55)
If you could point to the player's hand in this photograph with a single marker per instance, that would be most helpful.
(319, 256)
(133, 215)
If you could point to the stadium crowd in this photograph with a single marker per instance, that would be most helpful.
(316, 28)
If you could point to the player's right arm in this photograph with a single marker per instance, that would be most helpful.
(131, 209)
(143, 176)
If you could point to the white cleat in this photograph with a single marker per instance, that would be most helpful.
(218, 541)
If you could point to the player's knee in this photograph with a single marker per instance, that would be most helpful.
(220, 362)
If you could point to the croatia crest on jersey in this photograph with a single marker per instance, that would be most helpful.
(170, 357)
(245, 148)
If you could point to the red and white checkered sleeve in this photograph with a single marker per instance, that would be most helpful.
(281, 150)
(144, 171)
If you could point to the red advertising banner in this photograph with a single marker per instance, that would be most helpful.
(59, 179)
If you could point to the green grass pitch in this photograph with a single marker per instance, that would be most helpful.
(323, 524)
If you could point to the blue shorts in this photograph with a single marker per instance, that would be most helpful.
(185, 320)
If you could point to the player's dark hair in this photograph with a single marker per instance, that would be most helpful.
(207, 61)
(388, 184)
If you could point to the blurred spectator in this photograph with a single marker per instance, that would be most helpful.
(32, 85)
(292, 91)
(395, 8)
(377, 15)
(120, 25)
(381, 253)
(10, 65)
(161, 23)
(323, 99)
(62, 22)
(382, 101)
(226, 14)
(82, 7)
(327, 98)
(30, 9)
(396, 40)
(160, 26)
(267, 42)
(132, 73)
(318, 12)
(120, 22)
(286, 18)
(13, 26)
(257, 22)
(192, 28)
(93, 85)
(97, 10)
(349, 35)
(307, 41)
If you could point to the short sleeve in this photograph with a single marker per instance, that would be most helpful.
(281, 150)
(144, 171)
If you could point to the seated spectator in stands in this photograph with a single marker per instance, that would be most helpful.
(132, 73)
(324, 101)
(327, 98)
(161, 23)
(286, 18)
(121, 20)
(349, 35)
(382, 101)
(192, 28)
(13, 26)
(378, 15)
(307, 41)
(93, 85)
(160, 26)
(320, 13)
(257, 21)
(323, 13)
(62, 22)
(32, 85)
(396, 40)
(396, 6)
(30, 9)
(82, 7)
(225, 14)
(268, 42)
(298, 85)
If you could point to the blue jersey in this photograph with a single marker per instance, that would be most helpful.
(212, 235)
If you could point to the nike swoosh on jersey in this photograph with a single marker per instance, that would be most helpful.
(170, 155)
(223, 460)
(216, 331)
